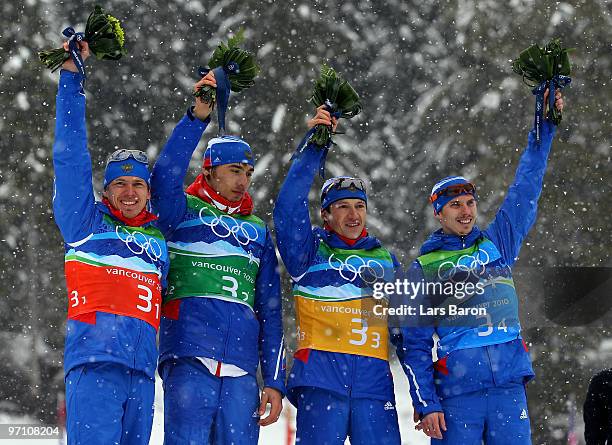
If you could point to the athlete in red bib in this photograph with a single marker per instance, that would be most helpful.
(116, 264)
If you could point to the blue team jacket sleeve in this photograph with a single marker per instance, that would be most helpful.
(519, 209)
(167, 197)
(397, 268)
(296, 242)
(73, 198)
(268, 309)
(164, 277)
(414, 343)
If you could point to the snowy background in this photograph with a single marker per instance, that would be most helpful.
(439, 98)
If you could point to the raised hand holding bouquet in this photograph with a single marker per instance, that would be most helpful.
(543, 68)
(235, 69)
(339, 98)
(103, 33)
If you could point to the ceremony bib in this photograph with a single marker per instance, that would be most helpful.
(342, 326)
(215, 255)
(334, 302)
(111, 289)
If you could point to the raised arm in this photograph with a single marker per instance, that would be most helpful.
(519, 209)
(294, 237)
(73, 198)
(167, 196)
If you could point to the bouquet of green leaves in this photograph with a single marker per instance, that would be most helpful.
(240, 65)
(103, 33)
(542, 68)
(339, 98)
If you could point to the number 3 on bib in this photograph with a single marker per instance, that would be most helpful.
(488, 325)
(147, 298)
(363, 334)
(75, 298)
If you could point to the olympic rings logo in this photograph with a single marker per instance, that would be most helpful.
(466, 265)
(139, 243)
(369, 271)
(225, 225)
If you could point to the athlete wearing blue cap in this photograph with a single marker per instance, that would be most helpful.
(475, 391)
(222, 314)
(116, 264)
(340, 382)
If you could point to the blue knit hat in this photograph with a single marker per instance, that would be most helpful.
(228, 150)
(342, 187)
(439, 200)
(126, 167)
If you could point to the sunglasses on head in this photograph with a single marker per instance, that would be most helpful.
(455, 190)
(345, 184)
(123, 154)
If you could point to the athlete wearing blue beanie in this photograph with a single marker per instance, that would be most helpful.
(448, 188)
(342, 187)
(127, 163)
(224, 150)
(341, 381)
(127, 182)
(475, 392)
(116, 265)
(221, 320)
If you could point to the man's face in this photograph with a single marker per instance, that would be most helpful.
(129, 194)
(231, 181)
(458, 216)
(346, 217)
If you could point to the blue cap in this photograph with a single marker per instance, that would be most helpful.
(228, 150)
(126, 167)
(342, 187)
(439, 201)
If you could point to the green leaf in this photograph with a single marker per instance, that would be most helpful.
(331, 89)
(53, 58)
(564, 64)
(103, 33)
(237, 39)
(537, 65)
(224, 54)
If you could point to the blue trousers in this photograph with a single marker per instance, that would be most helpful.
(200, 408)
(108, 403)
(497, 416)
(328, 418)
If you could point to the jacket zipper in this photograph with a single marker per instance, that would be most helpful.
(352, 380)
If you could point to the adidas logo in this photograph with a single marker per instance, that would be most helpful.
(255, 415)
(389, 406)
(523, 414)
(217, 159)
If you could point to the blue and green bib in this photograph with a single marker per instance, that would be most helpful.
(486, 314)
(215, 255)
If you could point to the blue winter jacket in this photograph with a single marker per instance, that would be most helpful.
(298, 241)
(225, 331)
(461, 368)
(89, 231)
